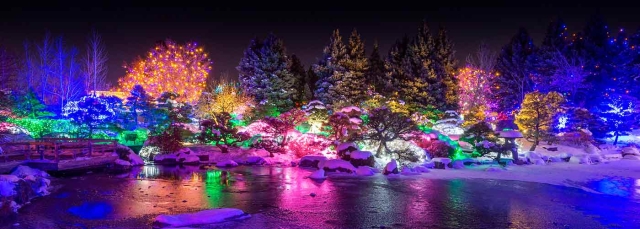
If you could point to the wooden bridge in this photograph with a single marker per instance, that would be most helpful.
(58, 154)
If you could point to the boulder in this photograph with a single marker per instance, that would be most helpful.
(255, 160)
(391, 167)
(630, 151)
(538, 162)
(365, 171)
(337, 165)
(532, 156)
(580, 159)
(318, 175)
(362, 158)
(430, 164)
(631, 157)
(227, 163)
(441, 162)
(312, 161)
(188, 159)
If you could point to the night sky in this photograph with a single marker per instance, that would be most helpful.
(225, 33)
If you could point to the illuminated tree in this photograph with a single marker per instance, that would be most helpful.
(304, 93)
(385, 126)
(619, 113)
(95, 63)
(475, 115)
(537, 113)
(28, 105)
(220, 131)
(353, 86)
(170, 67)
(512, 79)
(376, 76)
(475, 87)
(445, 65)
(265, 74)
(346, 125)
(225, 97)
(331, 70)
(277, 129)
(139, 103)
(65, 83)
(91, 112)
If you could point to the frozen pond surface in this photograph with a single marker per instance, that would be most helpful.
(280, 198)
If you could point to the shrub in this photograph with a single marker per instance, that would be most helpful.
(577, 138)
(438, 148)
(168, 141)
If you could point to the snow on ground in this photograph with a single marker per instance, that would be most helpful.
(22, 185)
(202, 217)
(337, 165)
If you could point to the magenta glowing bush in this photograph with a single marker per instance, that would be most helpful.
(301, 145)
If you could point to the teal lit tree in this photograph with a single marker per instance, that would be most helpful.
(29, 105)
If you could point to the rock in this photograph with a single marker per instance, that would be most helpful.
(429, 165)
(312, 161)
(362, 158)
(631, 157)
(318, 175)
(337, 165)
(457, 164)
(365, 171)
(255, 160)
(532, 156)
(421, 169)
(539, 162)
(441, 162)
(630, 151)
(564, 156)
(580, 159)
(555, 159)
(391, 168)
(227, 163)
(188, 159)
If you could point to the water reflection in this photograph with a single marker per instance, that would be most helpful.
(617, 186)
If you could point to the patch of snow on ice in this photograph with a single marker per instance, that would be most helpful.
(365, 171)
(227, 163)
(202, 217)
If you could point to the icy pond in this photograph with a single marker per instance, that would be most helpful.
(280, 198)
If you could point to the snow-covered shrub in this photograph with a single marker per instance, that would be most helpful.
(301, 145)
(361, 158)
(149, 152)
(277, 130)
(346, 126)
(220, 131)
(168, 141)
(437, 148)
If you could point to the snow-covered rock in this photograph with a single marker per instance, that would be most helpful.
(630, 151)
(365, 171)
(441, 162)
(580, 159)
(484, 160)
(165, 158)
(429, 164)
(391, 168)
(188, 159)
(406, 170)
(457, 164)
(318, 174)
(337, 165)
(122, 163)
(421, 169)
(347, 146)
(202, 217)
(131, 156)
(22, 171)
(631, 157)
(532, 156)
(360, 158)
(592, 149)
(555, 159)
(227, 163)
(21, 186)
(255, 160)
(539, 161)
(312, 161)
(465, 146)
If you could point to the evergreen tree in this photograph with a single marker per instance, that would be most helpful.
(375, 75)
(310, 81)
(29, 105)
(300, 76)
(422, 87)
(512, 79)
(393, 66)
(331, 70)
(353, 87)
(446, 68)
(264, 73)
(543, 65)
(139, 103)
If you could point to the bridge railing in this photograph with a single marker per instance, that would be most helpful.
(54, 148)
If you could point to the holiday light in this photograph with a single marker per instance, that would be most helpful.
(474, 86)
(170, 67)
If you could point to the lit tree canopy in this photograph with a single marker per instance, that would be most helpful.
(92, 112)
(170, 67)
(475, 86)
(618, 112)
(224, 98)
(536, 116)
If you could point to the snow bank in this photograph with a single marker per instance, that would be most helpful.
(22, 171)
(365, 171)
(201, 217)
(21, 186)
(227, 163)
(406, 170)
(318, 174)
(188, 159)
(421, 169)
(391, 167)
(580, 159)
(133, 158)
(337, 165)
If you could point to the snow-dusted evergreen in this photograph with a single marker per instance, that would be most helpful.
(331, 70)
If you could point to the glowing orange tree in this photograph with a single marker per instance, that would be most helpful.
(170, 67)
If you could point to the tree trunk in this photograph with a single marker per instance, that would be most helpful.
(616, 140)
(535, 143)
(284, 140)
(379, 152)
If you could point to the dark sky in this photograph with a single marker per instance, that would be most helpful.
(225, 33)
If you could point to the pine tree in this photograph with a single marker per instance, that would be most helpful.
(422, 87)
(446, 68)
(310, 82)
(264, 73)
(353, 87)
(300, 77)
(139, 103)
(543, 65)
(331, 70)
(512, 79)
(375, 75)
(393, 66)
(29, 105)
